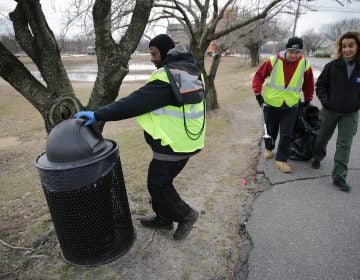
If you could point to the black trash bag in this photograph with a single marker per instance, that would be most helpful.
(305, 131)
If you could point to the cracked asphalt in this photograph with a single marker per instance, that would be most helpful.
(303, 227)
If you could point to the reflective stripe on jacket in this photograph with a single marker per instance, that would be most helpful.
(275, 93)
(167, 123)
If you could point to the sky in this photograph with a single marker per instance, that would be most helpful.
(51, 8)
(328, 11)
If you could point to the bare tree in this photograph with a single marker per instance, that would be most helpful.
(333, 31)
(313, 41)
(55, 100)
(201, 20)
(269, 30)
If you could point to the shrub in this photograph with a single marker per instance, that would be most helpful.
(327, 55)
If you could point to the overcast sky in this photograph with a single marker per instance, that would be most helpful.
(52, 10)
(328, 11)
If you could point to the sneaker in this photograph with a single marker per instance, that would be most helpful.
(186, 225)
(283, 166)
(341, 184)
(315, 164)
(157, 222)
(268, 154)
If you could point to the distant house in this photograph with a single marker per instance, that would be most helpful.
(90, 50)
(228, 18)
(178, 34)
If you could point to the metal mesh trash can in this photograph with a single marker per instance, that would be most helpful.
(82, 180)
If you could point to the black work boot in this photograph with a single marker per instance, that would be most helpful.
(315, 164)
(157, 222)
(186, 225)
(341, 184)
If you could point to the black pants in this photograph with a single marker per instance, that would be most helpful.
(166, 202)
(283, 118)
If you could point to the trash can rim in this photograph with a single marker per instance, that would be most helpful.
(42, 162)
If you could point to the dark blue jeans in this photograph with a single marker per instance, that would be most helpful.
(282, 118)
(166, 202)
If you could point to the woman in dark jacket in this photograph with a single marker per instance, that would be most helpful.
(338, 89)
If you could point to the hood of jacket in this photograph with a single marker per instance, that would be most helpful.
(178, 54)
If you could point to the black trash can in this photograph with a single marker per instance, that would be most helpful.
(83, 183)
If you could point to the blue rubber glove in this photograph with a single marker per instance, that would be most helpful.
(87, 115)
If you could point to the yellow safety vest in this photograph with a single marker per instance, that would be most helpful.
(275, 93)
(167, 123)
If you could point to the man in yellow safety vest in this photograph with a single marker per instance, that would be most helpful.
(286, 75)
(170, 108)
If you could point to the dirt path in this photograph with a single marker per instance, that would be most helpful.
(211, 183)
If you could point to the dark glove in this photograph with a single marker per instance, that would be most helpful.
(304, 104)
(260, 100)
(87, 115)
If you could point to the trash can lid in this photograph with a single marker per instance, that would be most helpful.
(71, 141)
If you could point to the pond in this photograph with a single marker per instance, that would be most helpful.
(87, 73)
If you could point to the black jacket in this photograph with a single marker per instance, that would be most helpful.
(336, 91)
(154, 95)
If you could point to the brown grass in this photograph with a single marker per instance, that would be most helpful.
(210, 182)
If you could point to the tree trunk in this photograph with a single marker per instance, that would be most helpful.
(211, 100)
(112, 58)
(254, 54)
(209, 79)
(17, 75)
(56, 100)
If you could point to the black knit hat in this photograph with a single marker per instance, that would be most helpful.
(164, 43)
(294, 44)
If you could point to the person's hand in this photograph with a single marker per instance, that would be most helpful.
(260, 100)
(87, 115)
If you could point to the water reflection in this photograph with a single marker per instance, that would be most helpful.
(87, 73)
(141, 66)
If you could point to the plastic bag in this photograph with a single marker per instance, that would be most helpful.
(304, 134)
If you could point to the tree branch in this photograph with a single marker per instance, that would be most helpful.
(185, 17)
(198, 4)
(239, 25)
(221, 14)
(190, 11)
(136, 30)
(204, 11)
(216, 9)
(18, 76)
(16, 247)
(22, 32)
(181, 21)
(113, 58)
(40, 44)
(102, 24)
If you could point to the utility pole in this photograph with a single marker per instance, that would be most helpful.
(297, 14)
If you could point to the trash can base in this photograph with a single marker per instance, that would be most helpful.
(110, 256)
